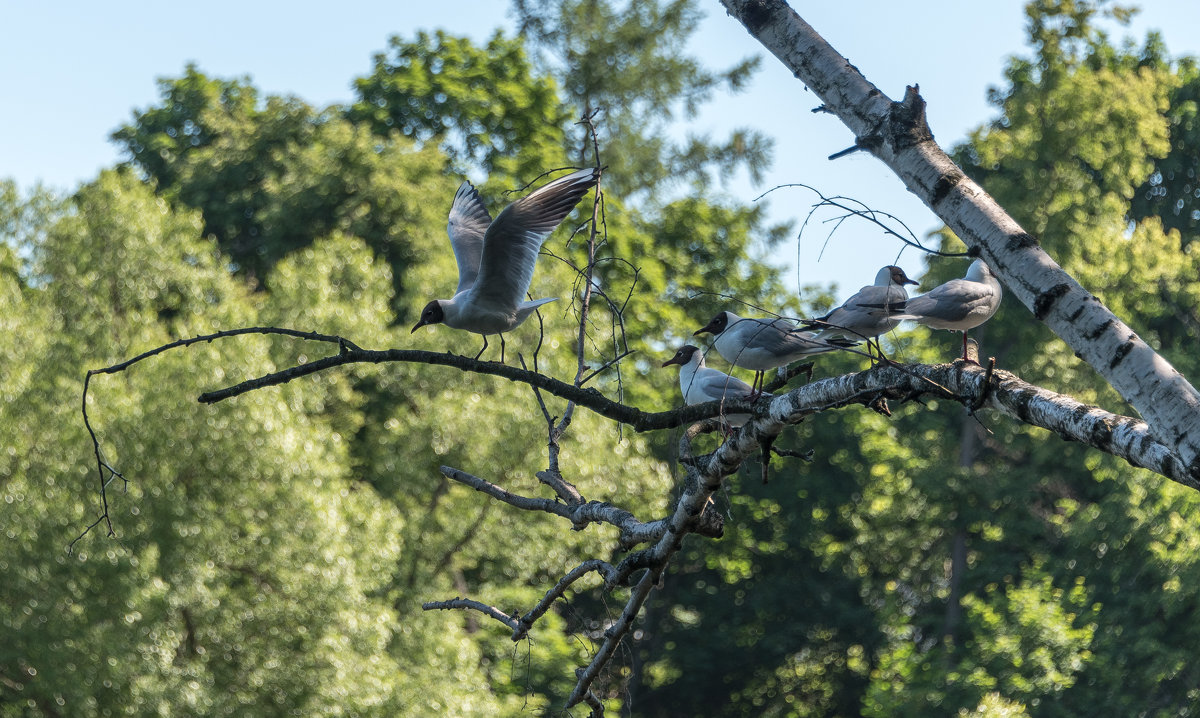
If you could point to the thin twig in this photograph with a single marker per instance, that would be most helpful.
(606, 365)
(572, 507)
(877, 217)
(606, 570)
(483, 608)
(613, 636)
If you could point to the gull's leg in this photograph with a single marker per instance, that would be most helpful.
(756, 386)
(879, 357)
(967, 358)
(501, 348)
(484, 347)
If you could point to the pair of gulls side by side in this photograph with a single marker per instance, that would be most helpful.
(763, 344)
(496, 257)
(958, 305)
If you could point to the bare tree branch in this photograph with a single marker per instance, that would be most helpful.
(898, 381)
(580, 513)
(862, 211)
(590, 398)
(606, 570)
(613, 636)
(483, 608)
(1127, 438)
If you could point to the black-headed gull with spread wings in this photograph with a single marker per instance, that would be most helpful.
(496, 257)
(958, 305)
(762, 344)
(853, 321)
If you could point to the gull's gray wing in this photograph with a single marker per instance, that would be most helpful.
(711, 385)
(512, 242)
(951, 302)
(469, 220)
(862, 313)
(790, 343)
(781, 338)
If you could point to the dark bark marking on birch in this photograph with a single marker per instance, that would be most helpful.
(1046, 300)
(1099, 329)
(1120, 354)
(1101, 433)
(1021, 240)
(755, 15)
(1144, 445)
(945, 183)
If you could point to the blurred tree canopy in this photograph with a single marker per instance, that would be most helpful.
(273, 551)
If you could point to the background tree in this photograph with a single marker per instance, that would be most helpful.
(629, 61)
(485, 107)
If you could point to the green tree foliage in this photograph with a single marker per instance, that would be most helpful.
(485, 107)
(241, 540)
(280, 568)
(1170, 192)
(262, 172)
(629, 60)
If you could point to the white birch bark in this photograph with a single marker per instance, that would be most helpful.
(897, 134)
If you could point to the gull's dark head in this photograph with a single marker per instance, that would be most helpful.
(717, 325)
(683, 356)
(898, 276)
(431, 314)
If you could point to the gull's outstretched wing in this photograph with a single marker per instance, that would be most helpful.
(512, 242)
(468, 223)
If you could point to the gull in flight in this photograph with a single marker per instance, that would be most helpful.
(701, 384)
(762, 344)
(496, 257)
(854, 321)
(958, 305)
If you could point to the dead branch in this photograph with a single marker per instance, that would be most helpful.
(483, 608)
(974, 386)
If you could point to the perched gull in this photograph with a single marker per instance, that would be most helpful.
(854, 321)
(958, 305)
(496, 258)
(701, 384)
(761, 344)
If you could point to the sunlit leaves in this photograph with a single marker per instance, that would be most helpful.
(629, 61)
(484, 106)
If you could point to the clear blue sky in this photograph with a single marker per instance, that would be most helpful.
(71, 73)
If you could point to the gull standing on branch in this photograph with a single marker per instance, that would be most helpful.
(761, 344)
(854, 321)
(701, 384)
(958, 305)
(496, 258)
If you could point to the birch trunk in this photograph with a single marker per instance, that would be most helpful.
(897, 134)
